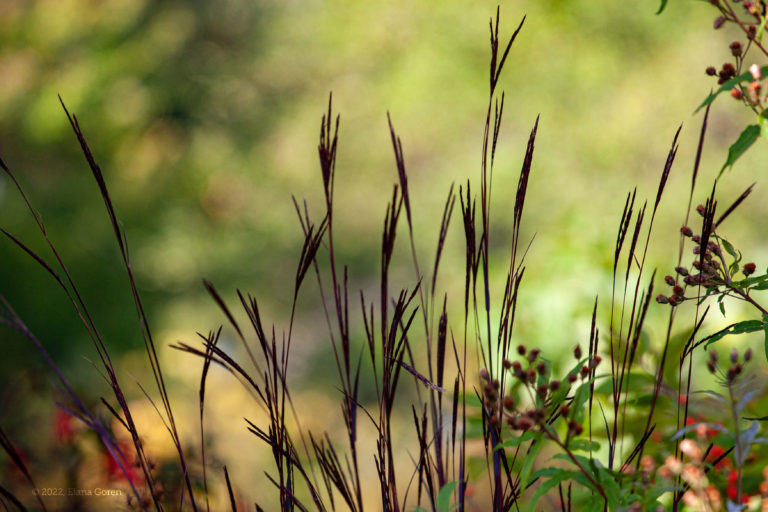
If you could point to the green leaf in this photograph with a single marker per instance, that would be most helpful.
(745, 140)
(765, 329)
(727, 86)
(762, 120)
(516, 441)
(558, 476)
(611, 488)
(530, 458)
(583, 445)
(443, 501)
(662, 6)
(741, 328)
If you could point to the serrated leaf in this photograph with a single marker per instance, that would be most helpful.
(443, 500)
(728, 85)
(745, 140)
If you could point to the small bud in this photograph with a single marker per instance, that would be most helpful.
(749, 269)
(735, 49)
(713, 355)
(531, 376)
(577, 352)
(696, 238)
(484, 374)
(711, 71)
(756, 72)
(541, 368)
(521, 350)
(682, 271)
(509, 403)
(677, 289)
(554, 385)
(691, 449)
(734, 355)
(595, 361)
(495, 384)
(662, 299)
(542, 390)
(718, 22)
(507, 364)
(711, 366)
(572, 377)
(584, 372)
(748, 355)
(686, 231)
(669, 280)
(700, 208)
(564, 410)
(533, 354)
(697, 264)
(736, 93)
(574, 428)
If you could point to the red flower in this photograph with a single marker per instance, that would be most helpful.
(114, 471)
(715, 453)
(733, 479)
(63, 429)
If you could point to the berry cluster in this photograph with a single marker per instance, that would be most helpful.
(709, 269)
(533, 375)
(735, 369)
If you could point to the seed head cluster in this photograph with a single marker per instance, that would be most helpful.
(532, 373)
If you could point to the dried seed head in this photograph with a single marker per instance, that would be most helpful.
(677, 289)
(533, 354)
(696, 238)
(577, 352)
(541, 368)
(564, 410)
(749, 269)
(669, 280)
(682, 271)
(711, 71)
(700, 208)
(574, 428)
(554, 385)
(507, 364)
(572, 377)
(521, 350)
(531, 376)
(542, 390)
(735, 48)
(584, 372)
(686, 231)
(662, 299)
(484, 374)
(509, 403)
(595, 361)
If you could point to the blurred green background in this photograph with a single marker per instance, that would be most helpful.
(204, 117)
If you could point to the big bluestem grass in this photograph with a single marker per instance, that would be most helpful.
(466, 372)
